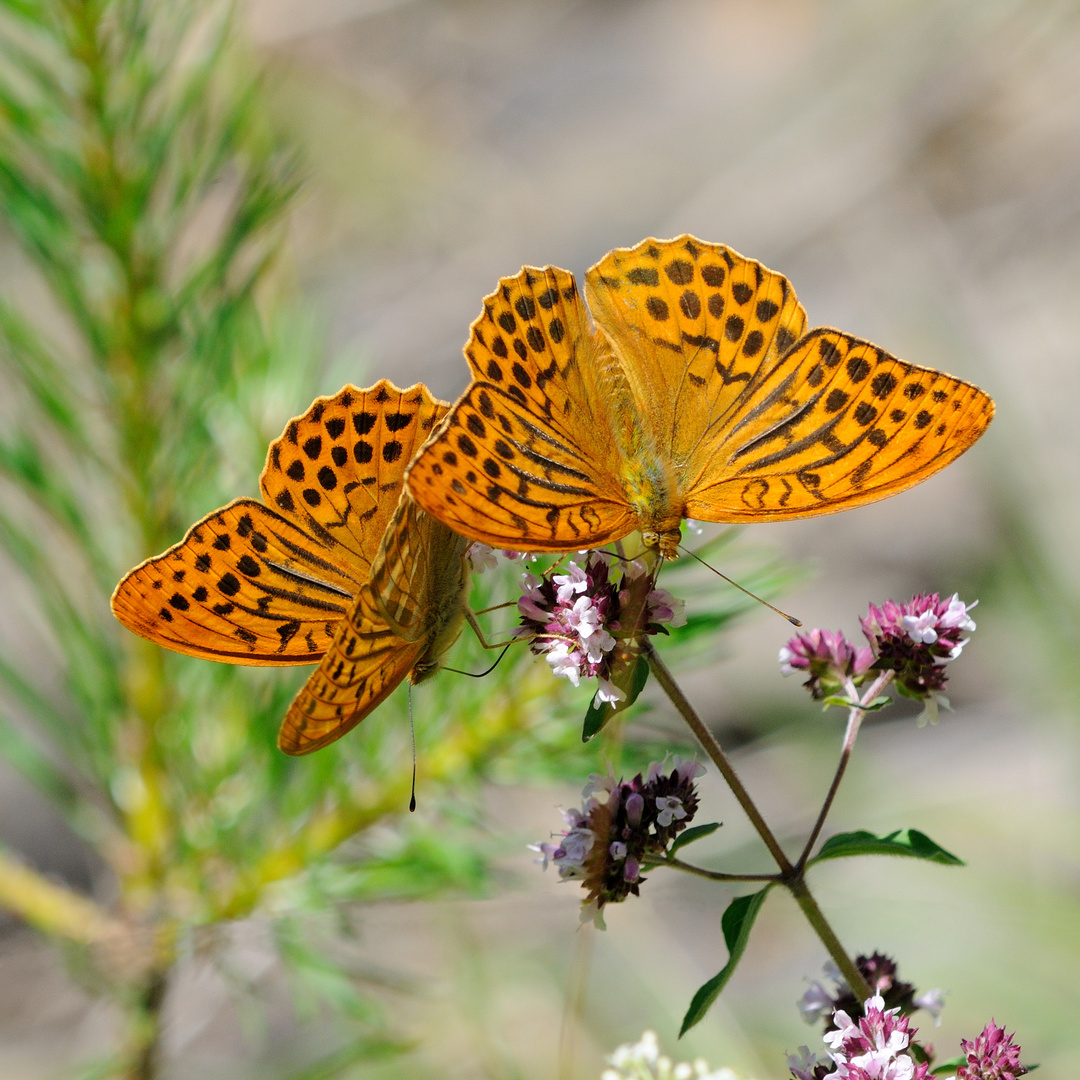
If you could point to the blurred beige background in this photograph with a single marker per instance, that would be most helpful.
(914, 168)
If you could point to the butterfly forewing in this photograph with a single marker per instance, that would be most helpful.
(363, 666)
(499, 473)
(337, 470)
(838, 422)
(696, 326)
(245, 585)
(529, 456)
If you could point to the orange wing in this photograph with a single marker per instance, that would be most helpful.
(245, 585)
(337, 470)
(529, 455)
(252, 585)
(756, 419)
(696, 326)
(418, 572)
(363, 666)
(422, 575)
(837, 423)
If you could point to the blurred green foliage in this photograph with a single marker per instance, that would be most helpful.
(148, 195)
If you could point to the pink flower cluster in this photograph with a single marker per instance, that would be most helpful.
(574, 618)
(879, 1046)
(992, 1056)
(914, 640)
(875, 1047)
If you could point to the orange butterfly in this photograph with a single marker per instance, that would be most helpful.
(698, 393)
(250, 584)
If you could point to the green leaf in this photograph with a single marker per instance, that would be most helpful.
(737, 922)
(690, 835)
(599, 715)
(949, 1066)
(909, 842)
(846, 703)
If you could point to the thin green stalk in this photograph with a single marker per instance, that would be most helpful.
(712, 875)
(828, 938)
(145, 1032)
(855, 718)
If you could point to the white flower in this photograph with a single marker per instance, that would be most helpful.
(956, 614)
(688, 769)
(600, 784)
(565, 662)
(481, 557)
(573, 581)
(671, 809)
(607, 691)
(643, 1061)
(785, 658)
(920, 628)
(815, 1003)
(803, 1063)
(933, 1001)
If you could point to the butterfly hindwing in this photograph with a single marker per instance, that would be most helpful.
(337, 470)
(421, 569)
(363, 666)
(529, 456)
(838, 423)
(245, 585)
(418, 571)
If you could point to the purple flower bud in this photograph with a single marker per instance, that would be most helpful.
(829, 659)
(619, 825)
(992, 1056)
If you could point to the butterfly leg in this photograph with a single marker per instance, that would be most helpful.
(470, 618)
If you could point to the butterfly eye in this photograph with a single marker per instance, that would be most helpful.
(650, 538)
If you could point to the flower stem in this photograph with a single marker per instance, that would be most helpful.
(712, 875)
(790, 876)
(716, 753)
(824, 931)
(855, 718)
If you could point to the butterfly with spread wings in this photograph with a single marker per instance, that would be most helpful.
(338, 566)
(693, 390)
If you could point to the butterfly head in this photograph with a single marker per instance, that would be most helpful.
(424, 668)
(666, 541)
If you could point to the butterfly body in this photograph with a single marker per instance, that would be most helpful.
(447, 622)
(693, 390)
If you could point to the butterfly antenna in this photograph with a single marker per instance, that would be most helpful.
(412, 735)
(480, 675)
(790, 618)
